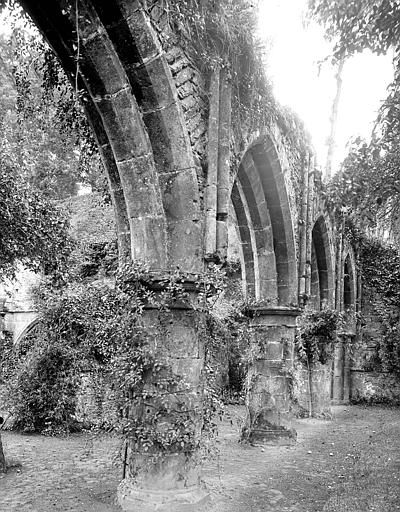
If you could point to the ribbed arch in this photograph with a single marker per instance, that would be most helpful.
(270, 257)
(133, 107)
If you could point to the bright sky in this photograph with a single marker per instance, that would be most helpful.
(293, 66)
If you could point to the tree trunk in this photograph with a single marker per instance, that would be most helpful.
(333, 120)
(2, 458)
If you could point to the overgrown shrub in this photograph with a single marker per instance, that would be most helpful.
(98, 328)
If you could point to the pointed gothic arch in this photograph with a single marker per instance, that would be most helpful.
(261, 204)
(322, 285)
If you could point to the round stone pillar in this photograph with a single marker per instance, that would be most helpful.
(268, 399)
(166, 478)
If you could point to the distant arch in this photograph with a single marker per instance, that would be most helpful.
(27, 330)
(321, 266)
(349, 285)
(261, 205)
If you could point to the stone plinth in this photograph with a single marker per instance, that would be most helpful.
(167, 478)
(272, 332)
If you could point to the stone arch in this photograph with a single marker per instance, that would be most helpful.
(322, 285)
(19, 336)
(261, 204)
(132, 104)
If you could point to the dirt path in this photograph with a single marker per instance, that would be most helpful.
(351, 463)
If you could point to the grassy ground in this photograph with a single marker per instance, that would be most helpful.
(351, 463)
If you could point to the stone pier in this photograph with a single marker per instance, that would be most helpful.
(268, 401)
(166, 478)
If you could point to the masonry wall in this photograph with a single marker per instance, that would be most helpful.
(369, 382)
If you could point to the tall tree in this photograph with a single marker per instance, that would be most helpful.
(333, 120)
(370, 179)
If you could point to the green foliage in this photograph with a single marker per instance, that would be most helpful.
(317, 335)
(33, 230)
(359, 24)
(380, 266)
(98, 259)
(98, 329)
(369, 183)
(43, 392)
(44, 134)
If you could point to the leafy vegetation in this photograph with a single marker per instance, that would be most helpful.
(44, 134)
(366, 192)
(99, 329)
(33, 231)
(368, 185)
(380, 270)
(317, 335)
(222, 35)
(357, 25)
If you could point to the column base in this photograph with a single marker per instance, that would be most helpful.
(336, 401)
(274, 435)
(189, 499)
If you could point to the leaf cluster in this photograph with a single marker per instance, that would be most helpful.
(222, 34)
(356, 25)
(379, 265)
(33, 231)
(44, 133)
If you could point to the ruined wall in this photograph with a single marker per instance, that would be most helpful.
(369, 381)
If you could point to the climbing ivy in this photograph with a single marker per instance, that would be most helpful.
(379, 265)
(317, 335)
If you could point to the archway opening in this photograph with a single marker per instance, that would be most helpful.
(321, 268)
(348, 286)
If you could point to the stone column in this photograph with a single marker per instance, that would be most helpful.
(167, 478)
(346, 370)
(341, 369)
(268, 401)
(337, 377)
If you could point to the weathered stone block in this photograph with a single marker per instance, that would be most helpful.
(182, 185)
(185, 249)
(124, 125)
(149, 240)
